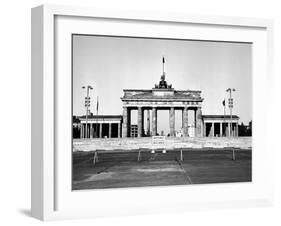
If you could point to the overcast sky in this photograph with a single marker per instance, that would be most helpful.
(111, 64)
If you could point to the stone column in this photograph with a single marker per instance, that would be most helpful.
(95, 130)
(86, 130)
(118, 132)
(185, 121)
(234, 129)
(140, 121)
(220, 129)
(204, 129)
(148, 123)
(182, 119)
(81, 130)
(172, 121)
(198, 122)
(125, 122)
(100, 130)
(109, 130)
(91, 130)
(229, 129)
(154, 121)
(212, 129)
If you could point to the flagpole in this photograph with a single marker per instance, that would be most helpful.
(97, 116)
(230, 109)
(87, 111)
(97, 104)
(163, 61)
(224, 117)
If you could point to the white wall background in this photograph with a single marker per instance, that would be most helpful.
(15, 111)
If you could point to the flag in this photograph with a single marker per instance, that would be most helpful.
(223, 102)
(97, 104)
(163, 60)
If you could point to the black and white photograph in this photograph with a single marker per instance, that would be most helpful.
(160, 112)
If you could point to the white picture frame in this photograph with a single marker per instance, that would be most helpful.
(52, 198)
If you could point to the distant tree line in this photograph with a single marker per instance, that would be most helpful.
(245, 130)
(75, 127)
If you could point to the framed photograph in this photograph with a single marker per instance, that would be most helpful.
(135, 112)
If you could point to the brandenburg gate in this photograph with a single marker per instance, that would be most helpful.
(162, 97)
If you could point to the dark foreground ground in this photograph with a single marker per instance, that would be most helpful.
(158, 169)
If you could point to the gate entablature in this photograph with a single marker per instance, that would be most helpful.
(161, 98)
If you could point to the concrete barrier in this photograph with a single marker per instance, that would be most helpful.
(170, 143)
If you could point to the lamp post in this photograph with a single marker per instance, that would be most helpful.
(224, 124)
(87, 105)
(230, 105)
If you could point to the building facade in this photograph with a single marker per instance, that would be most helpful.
(100, 126)
(220, 125)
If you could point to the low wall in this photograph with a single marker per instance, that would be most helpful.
(170, 143)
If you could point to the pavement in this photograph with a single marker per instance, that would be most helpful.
(122, 169)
